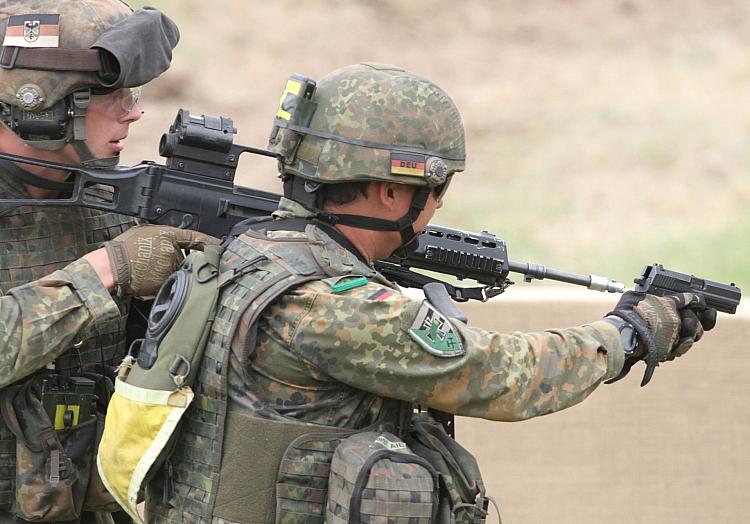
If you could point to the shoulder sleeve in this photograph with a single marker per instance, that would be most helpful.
(40, 320)
(377, 339)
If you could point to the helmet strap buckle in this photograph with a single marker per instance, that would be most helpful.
(81, 100)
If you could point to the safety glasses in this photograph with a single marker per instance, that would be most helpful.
(124, 99)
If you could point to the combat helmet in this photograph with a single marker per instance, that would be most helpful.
(367, 122)
(57, 53)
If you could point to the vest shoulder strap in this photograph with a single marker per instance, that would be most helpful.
(257, 272)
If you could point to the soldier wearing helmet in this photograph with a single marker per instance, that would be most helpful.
(69, 77)
(311, 344)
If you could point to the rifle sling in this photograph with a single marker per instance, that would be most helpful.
(31, 179)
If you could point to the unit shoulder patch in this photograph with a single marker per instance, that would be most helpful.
(433, 331)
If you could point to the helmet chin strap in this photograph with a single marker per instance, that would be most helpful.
(80, 101)
(404, 225)
(88, 159)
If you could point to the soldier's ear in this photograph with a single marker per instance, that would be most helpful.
(394, 198)
(384, 194)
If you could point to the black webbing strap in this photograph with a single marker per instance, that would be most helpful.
(31, 179)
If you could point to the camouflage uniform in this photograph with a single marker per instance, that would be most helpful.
(57, 55)
(331, 357)
(309, 344)
(48, 304)
(310, 340)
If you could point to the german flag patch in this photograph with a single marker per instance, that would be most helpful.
(33, 30)
(381, 295)
(407, 164)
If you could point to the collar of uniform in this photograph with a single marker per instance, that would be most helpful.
(290, 209)
(293, 223)
(338, 237)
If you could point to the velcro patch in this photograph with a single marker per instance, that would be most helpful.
(434, 332)
(33, 30)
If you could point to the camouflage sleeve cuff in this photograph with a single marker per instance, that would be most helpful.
(90, 290)
(612, 346)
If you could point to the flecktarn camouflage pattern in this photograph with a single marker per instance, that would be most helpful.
(78, 25)
(42, 318)
(375, 477)
(374, 122)
(34, 242)
(54, 467)
(199, 484)
(323, 356)
(47, 316)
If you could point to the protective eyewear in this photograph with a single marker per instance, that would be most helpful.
(125, 98)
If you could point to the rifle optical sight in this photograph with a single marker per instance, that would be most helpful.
(214, 133)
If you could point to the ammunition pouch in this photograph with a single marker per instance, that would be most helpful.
(56, 430)
(462, 494)
(375, 477)
(316, 474)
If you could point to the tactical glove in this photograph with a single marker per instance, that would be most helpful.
(144, 256)
(667, 327)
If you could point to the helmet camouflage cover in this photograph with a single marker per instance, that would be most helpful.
(52, 48)
(79, 25)
(369, 122)
(57, 53)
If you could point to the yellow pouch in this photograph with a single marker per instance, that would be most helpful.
(152, 390)
(140, 423)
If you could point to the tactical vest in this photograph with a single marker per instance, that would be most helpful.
(196, 484)
(34, 242)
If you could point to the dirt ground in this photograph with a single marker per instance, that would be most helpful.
(599, 133)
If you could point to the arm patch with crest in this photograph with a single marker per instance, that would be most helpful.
(433, 331)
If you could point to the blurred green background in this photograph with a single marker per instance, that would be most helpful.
(602, 136)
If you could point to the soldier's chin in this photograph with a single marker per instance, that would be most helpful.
(116, 146)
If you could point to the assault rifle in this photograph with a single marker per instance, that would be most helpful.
(195, 190)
